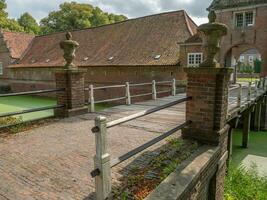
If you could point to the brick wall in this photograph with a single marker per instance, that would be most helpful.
(241, 39)
(28, 79)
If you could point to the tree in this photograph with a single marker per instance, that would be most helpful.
(5, 22)
(3, 13)
(74, 15)
(29, 23)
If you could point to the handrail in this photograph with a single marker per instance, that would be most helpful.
(30, 110)
(31, 92)
(108, 87)
(140, 84)
(141, 148)
(146, 112)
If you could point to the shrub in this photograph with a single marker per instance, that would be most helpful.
(12, 120)
(245, 184)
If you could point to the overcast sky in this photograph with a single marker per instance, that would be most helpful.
(131, 8)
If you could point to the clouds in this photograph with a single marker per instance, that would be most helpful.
(130, 8)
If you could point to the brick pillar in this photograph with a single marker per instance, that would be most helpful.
(207, 110)
(73, 97)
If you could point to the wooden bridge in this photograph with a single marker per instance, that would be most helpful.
(65, 148)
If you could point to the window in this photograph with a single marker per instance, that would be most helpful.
(239, 20)
(242, 58)
(1, 68)
(244, 19)
(250, 59)
(249, 18)
(194, 59)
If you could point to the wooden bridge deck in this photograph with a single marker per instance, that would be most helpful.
(54, 161)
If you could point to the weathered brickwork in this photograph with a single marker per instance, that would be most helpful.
(73, 97)
(207, 110)
(239, 40)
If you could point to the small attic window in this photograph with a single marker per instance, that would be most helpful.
(47, 60)
(157, 57)
(85, 59)
(111, 58)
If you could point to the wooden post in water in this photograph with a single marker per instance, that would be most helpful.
(246, 128)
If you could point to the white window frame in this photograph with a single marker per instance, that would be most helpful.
(244, 18)
(249, 59)
(242, 58)
(195, 64)
(1, 68)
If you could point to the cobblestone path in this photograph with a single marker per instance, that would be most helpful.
(54, 161)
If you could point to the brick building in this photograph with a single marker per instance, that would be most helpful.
(136, 50)
(247, 25)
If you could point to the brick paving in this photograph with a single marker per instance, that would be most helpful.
(54, 161)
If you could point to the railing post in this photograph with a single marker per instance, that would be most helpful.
(249, 91)
(239, 97)
(102, 160)
(173, 87)
(128, 94)
(256, 88)
(154, 90)
(92, 100)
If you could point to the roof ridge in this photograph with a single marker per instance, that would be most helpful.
(187, 18)
(105, 25)
(23, 33)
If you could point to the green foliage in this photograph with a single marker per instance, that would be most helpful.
(29, 23)
(17, 121)
(257, 64)
(3, 13)
(74, 15)
(245, 184)
(5, 22)
(10, 25)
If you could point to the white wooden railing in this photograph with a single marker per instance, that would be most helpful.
(128, 96)
(254, 89)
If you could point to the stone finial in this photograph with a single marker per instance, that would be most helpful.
(69, 47)
(211, 34)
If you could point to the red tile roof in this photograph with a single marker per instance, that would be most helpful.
(129, 43)
(194, 39)
(17, 43)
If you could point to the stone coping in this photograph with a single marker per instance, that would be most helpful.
(178, 181)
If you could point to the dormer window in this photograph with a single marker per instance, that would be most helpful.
(244, 19)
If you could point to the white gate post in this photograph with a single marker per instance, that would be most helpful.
(128, 93)
(102, 160)
(249, 92)
(92, 100)
(239, 97)
(256, 88)
(154, 90)
(173, 87)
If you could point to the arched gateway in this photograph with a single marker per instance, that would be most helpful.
(247, 25)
